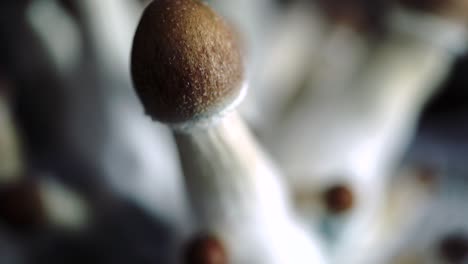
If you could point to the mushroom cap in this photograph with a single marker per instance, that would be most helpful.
(339, 199)
(454, 248)
(426, 5)
(205, 249)
(186, 63)
(21, 207)
(452, 9)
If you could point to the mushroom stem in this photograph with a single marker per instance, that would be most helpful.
(237, 193)
(224, 161)
(10, 161)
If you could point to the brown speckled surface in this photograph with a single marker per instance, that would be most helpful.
(186, 62)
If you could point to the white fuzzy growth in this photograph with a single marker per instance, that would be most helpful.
(237, 193)
(205, 122)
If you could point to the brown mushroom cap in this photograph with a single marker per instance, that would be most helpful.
(21, 207)
(205, 249)
(452, 9)
(339, 199)
(454, 248)
(426, 5)
(186, 63)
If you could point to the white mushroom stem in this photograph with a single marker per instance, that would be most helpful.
(403, 73)
(360, 128)
(237, 193)
(105, 125)
(10, 161)
(365, 122)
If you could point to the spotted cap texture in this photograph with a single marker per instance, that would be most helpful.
(186, 62)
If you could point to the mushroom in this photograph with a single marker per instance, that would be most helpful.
(188, 72)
